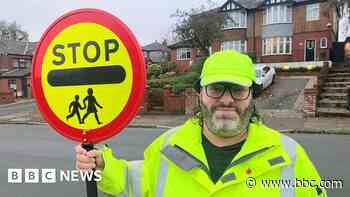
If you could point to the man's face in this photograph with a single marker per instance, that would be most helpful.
(225, 116)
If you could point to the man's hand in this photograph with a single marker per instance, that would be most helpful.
(87, 161)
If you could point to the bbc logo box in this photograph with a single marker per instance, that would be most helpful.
(31, 176)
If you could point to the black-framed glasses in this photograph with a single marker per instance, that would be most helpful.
(217, 90)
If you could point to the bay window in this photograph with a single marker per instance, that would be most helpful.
(277, 46)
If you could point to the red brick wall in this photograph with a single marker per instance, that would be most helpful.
(258, 23)
(234, 34)
(6, 62)
(250, 45)
(173, 103)
(182, 65)
(6, 95)
(301, 25)
(191, 101)
(4, 87)
(258, 49)
(299, 44)
(310, 107)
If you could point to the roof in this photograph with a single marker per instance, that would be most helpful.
(181, 44)
(16, 73)
(17, 47)
(253, 4)
(250, 4)
(155, 46)
(3, 71)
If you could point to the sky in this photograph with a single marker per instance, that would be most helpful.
(149, 20)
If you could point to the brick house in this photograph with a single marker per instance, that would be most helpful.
(155, 53)
(272, 31)
(15, 64)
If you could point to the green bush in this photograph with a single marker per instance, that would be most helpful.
(168, 67)
(178, 83)
(180, 87)
(197, 65)
(171, 66)
(155, 83)
(153, 70)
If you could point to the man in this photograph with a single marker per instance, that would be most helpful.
(224, 151)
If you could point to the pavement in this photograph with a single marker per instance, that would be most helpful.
(283, 124)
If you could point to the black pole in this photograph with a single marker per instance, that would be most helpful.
(91, 187)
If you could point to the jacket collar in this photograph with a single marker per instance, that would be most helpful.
(188, 138)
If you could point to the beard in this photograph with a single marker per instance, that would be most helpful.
(226, 126)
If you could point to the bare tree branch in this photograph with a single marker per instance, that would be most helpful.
(12, 31)
(200, 26)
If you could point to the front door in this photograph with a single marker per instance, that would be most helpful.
(310, 48)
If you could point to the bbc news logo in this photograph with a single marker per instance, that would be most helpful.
(51, 175)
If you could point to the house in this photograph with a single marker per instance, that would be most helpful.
(155, 53)
(272, 31)
(15, 64)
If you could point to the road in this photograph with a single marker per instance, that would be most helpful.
(17, 108)
(24, 146)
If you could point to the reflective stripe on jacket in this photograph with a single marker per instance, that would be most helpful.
(175, 165)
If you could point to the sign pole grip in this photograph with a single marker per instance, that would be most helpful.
(91, 187)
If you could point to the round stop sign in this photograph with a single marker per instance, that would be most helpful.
(88, 75)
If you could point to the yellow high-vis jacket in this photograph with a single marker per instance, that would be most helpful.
(268, 164)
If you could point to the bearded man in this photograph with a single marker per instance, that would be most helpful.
(224, 150)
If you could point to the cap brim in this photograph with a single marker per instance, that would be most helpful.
(243, 81)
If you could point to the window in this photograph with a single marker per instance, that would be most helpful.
(238, 45)
(323, 43)
(12, 84)
(236, 19)
(277, 14)
(313, 12)
(277, 46)
(183, 54)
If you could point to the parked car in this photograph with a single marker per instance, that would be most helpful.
(265, 76)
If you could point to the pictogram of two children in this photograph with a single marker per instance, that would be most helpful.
(91, 107)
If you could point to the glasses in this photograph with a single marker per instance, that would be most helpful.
(217, 90)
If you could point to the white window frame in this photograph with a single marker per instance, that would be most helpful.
(234, 45)
(183, 54)
(277, 14)
(269, 44)
(323, 45)
(313, 12)
(243, 17)
(13, 84)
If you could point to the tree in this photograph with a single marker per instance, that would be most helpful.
(200, 26)
(12, 31)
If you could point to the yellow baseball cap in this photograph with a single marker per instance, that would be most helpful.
(228, 66)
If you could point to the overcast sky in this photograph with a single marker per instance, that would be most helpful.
(148, 19)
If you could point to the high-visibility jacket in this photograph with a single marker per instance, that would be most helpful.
(175, 164)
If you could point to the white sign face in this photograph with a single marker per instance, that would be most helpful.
(343, 29)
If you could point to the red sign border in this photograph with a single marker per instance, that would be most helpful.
(138, 84)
